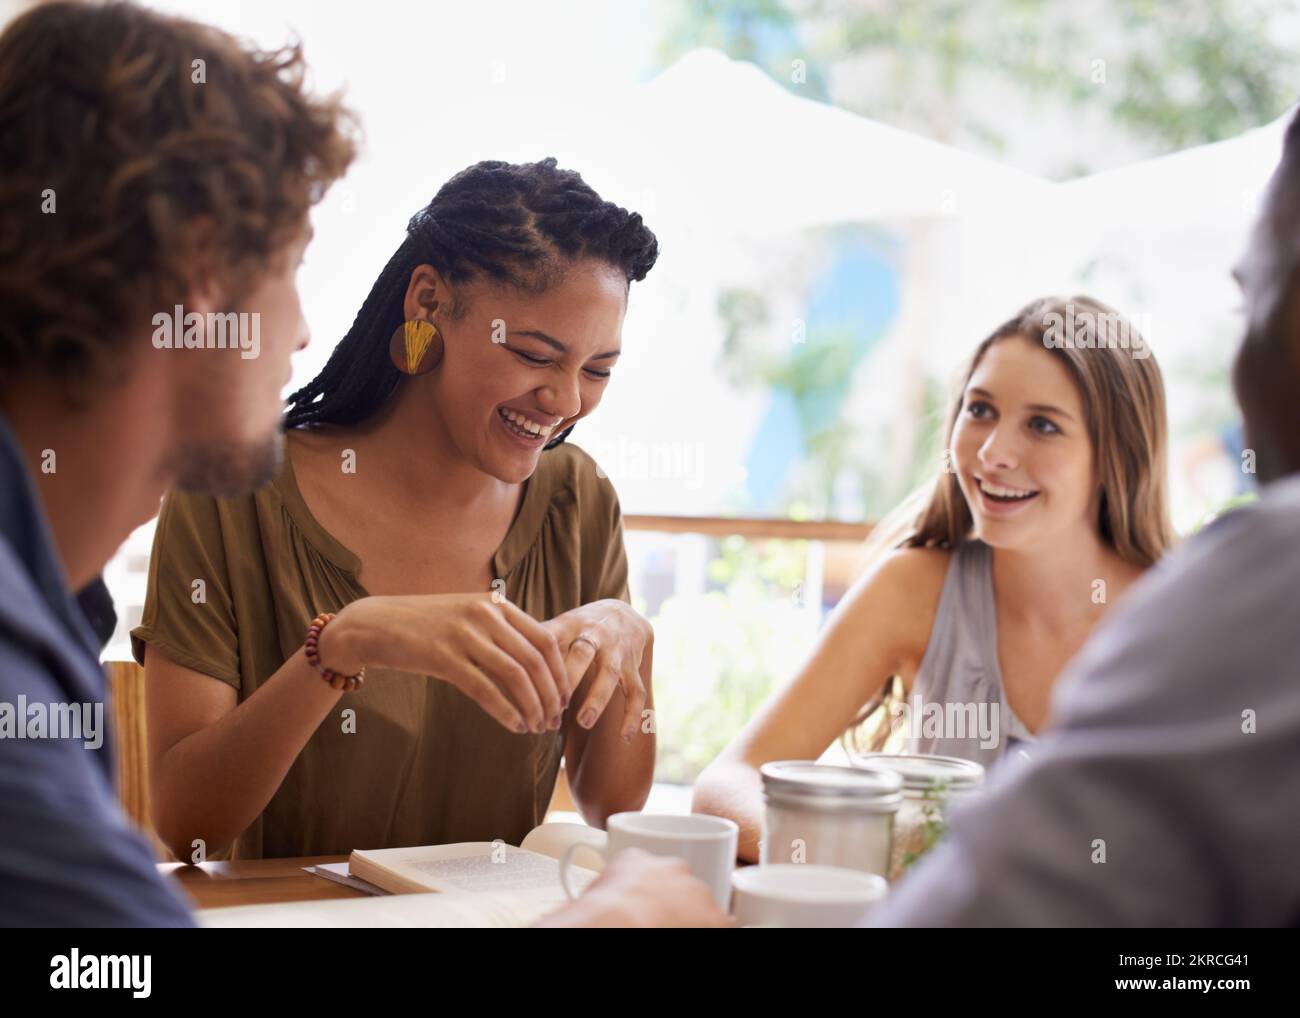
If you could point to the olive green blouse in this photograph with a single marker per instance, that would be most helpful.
(418, 763)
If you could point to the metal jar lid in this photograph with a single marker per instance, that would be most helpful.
(810, 785)
(921, 772)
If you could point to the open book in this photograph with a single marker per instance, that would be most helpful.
(490, 867)
(481, 884)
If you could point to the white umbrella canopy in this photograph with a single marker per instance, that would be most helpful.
(719, 139)
(1209, 187)
(718, 146)
(1156, 238)
(1164, 234)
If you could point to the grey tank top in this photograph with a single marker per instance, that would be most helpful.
(957, 706)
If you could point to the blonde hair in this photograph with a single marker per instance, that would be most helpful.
(1120, 386)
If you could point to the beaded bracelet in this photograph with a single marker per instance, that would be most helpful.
(347, 683)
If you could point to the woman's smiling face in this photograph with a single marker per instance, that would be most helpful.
(1021, 448)
(519, 368)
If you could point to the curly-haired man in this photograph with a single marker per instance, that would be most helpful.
(153, 172)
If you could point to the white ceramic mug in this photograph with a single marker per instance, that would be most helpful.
(805, 895)
(707, 844)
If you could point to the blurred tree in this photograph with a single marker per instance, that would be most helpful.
(1152, 76)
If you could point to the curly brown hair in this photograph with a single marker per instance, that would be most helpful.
(121, 131)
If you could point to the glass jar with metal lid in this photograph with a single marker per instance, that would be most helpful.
(829, 815)
(930, 784)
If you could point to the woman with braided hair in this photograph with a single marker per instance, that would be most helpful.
(395, 641)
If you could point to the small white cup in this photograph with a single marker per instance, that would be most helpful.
(706, 843)
(805, 895)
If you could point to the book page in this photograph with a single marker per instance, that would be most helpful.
(553, 839)
(338, 872)
(471, 867)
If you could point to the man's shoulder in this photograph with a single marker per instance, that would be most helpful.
(25, 664)
(1254, 545)
(39, 658)
(40, 676)
(1210, 623)
(28, 627)
(68, 856)
(1274, 515)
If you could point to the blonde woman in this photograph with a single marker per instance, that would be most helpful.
(1051, 503)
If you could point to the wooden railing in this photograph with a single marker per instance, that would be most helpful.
(751, 527)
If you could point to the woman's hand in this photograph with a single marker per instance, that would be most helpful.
(492, 651)
(605, 640)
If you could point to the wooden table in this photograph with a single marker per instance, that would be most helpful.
(257, 881)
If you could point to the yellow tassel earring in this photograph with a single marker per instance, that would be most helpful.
(416, 347)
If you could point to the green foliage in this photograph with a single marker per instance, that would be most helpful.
(1165, 74)
(719, 655)
(936, 823)
(1236, 502)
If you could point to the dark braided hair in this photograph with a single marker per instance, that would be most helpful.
(519, 224)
